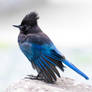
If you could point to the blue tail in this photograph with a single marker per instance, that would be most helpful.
(75, 69)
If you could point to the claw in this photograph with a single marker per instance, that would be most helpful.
(31, 77)
(34, 77)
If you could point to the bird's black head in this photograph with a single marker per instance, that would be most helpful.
(30, 19)
(28, 22)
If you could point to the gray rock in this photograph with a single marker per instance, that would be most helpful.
(62, 85)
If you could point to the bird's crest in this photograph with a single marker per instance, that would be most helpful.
(30, 18)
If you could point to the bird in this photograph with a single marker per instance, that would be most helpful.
(41, 52)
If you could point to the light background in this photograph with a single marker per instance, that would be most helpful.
(67, 22)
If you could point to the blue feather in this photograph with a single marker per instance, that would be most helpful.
(49, 60)
(66, 62)
(38, 64)
(57, 57)
(45, 62)
(42, 64)
(47, 72)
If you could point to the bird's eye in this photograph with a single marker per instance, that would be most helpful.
(23, 28)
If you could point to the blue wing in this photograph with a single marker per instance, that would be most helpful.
(38, 55)
(45, 58)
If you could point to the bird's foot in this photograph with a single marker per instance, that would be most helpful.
(31, 77)
(34, 77)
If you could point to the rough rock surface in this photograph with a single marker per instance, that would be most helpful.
(62, 85)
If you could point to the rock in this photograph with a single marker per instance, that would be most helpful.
(62, 85)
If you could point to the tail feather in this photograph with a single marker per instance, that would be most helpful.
(70, 65)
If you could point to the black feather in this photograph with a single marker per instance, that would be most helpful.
(52, 67)
(58, 63)
(30, 19)
(49, 70)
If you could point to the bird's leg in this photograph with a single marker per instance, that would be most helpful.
(38, 77)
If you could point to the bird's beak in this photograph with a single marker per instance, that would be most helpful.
(17, 26)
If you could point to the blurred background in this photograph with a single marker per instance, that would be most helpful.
(67, 22)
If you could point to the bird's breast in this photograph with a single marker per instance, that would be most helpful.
(21, 38)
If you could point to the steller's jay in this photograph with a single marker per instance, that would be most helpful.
(40, 51)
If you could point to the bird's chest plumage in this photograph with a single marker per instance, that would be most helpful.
(21, 38)
(32, 45)
(30, 49)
